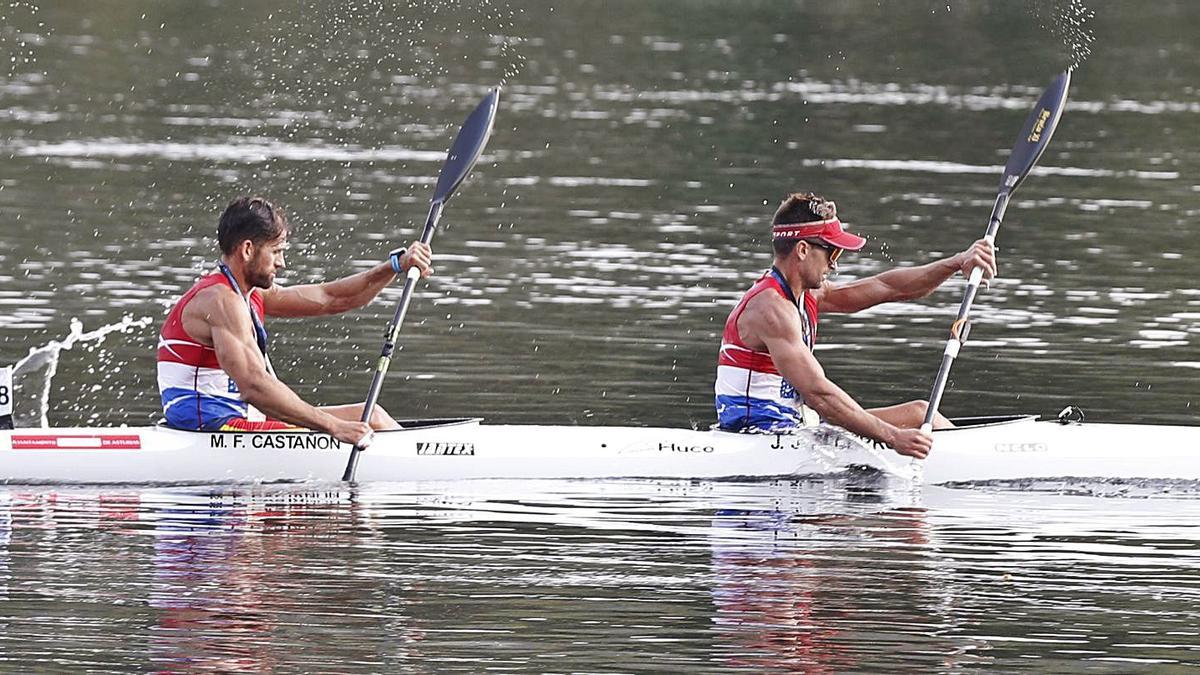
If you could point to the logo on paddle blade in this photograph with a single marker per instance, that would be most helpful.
(1039, 126)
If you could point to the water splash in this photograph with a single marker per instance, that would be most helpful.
(1069, 23)
(47, 356)
(21, 31)
(337, 79)
(375, 44)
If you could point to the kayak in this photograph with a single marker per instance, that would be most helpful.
(979, 449)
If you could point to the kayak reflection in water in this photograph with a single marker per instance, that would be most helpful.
(213, 369)
(768, 379)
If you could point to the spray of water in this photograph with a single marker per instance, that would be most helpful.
(1068, 21)
(419, 50)
(21, 31)
(357, 74)
(47, 356)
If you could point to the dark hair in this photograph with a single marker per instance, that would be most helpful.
(799, 207)
(252, 218)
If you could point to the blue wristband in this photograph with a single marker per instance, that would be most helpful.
(394, 258)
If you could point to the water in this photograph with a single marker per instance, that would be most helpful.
(583, 276)
(623, 576)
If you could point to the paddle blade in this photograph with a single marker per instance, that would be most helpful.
(1035, 136)
(468, 145)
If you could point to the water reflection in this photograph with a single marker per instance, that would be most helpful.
(220, 603)
(787, 603)
(833, 575)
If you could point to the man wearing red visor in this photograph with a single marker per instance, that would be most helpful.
(767, 377)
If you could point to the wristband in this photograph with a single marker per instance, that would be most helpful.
(394, 259)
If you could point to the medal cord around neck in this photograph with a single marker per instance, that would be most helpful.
(806, 331)
(260, 333)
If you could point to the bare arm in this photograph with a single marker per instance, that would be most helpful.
(335, 297)
(775, 322)
(906, 283)
(239, 356)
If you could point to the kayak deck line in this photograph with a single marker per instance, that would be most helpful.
(990, 448)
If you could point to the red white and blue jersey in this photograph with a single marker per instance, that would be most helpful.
(751, 394)
(196, 393)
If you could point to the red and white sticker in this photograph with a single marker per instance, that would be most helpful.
(77, 442)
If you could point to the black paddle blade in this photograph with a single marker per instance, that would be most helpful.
(1035, 136)
(468, 145)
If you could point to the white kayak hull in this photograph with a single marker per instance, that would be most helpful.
(438, 450)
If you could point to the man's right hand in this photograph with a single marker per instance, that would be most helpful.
(981, 254)
(350, 432)
(912, 443)
(419, 255)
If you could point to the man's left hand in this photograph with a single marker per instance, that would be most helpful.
(981, 254)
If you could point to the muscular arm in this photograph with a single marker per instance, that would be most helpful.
(905, 283)
(330, 297)
(231, 333)
(774, 323)
(335, 297)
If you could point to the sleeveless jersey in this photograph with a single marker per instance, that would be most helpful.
(751, 394)
(196, 393)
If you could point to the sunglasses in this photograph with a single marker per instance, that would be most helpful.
(833, 251)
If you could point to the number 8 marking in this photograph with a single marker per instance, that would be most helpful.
(4, 396)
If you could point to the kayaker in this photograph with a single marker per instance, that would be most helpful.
(213, 369)
(768, 379)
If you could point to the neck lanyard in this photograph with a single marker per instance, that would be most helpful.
(260, 333)
(806, 331)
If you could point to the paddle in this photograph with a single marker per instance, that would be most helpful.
(467, 147)
(1032, 142)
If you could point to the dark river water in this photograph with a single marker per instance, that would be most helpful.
(583, 275)
(619, 576)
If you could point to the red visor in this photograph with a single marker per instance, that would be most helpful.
(829, 231)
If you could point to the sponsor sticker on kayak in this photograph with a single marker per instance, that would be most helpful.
(446, 449)
(77, 442)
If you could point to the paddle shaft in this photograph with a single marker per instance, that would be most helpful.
(390, 337)
(962, 324)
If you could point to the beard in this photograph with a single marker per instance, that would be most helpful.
(263, 280)
(261, 275)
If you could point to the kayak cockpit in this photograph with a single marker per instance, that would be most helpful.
(988, 421)
(437, 422)
(405, 425)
